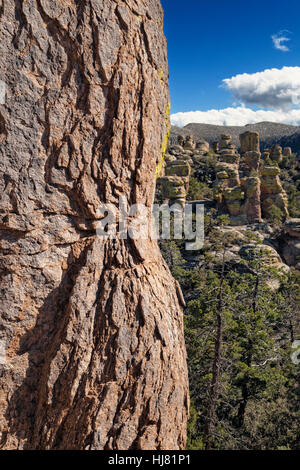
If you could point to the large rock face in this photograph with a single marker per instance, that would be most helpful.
(249, 142)
(93, 352)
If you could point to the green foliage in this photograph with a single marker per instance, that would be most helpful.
(194, 442)
(294, 199)
(212, 220)
(171, 254)
(252, 238)
(198, 190)
(258, 390)
(275, 215)
(254, 173)
(268, 162)
(257, 401)
(212, 156)
(222, 220)
(289, 162)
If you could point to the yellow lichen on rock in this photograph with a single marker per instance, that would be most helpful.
(164, 146)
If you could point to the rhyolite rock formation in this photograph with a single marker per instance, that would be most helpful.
(276, 153)
(202, 146)
(91, 329)
(227, 185)
(248, 187)
(287, 151)
(189, 143)
(272, 192)
(174, 185)
(253, 197)
(249, 142)
(270, 133)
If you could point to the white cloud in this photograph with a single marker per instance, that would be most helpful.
(278, 40)
(236, 117)
(272, 88)
(275, 90)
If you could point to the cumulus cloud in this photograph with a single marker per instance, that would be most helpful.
(272, 88)
(275, 90)
(239, 116)
(278, 40)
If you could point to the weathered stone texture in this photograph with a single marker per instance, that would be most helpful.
(93, 333)
(252, 160)
(189, 143)
(249, 142)
(276, 153)
(246, 187)
(272, 192)
(253, 194)
(287, 151)
(292, 227)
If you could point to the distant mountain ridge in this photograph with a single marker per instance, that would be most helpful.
(270, 133)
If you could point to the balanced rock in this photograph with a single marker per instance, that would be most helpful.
(227, 189)
(176, 150)
(272, 192)
(189, 143)
(287, 151)
(178, 168)
(173, 186)
(173, 189)
(202, 146)
(276, 153)
(270, 180)
(180, 140)
(249, 142)
(225, 141)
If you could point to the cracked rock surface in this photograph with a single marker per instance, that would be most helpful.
(91, 330)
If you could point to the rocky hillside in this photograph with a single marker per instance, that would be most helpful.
(270, 133)
(249, 187)
(241, 289)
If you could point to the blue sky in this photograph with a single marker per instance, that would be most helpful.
(213, 40)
